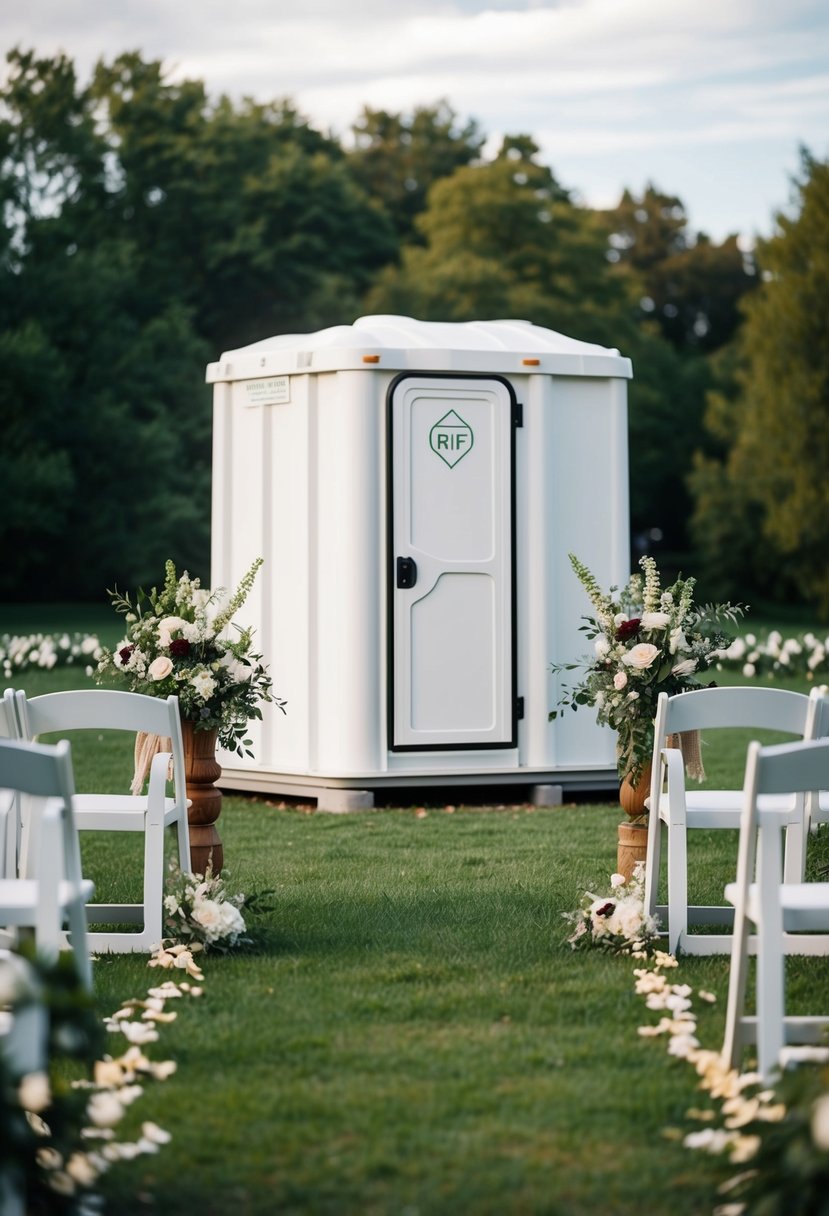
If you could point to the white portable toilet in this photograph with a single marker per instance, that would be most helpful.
(415, 488)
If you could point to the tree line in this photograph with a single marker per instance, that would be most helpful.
(147, 227)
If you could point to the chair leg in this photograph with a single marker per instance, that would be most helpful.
(78, 942)
(771, 962)
(677, 886)
(653, 862)
(794, 864)
(737, 979)
(183, 837)
(153, 881)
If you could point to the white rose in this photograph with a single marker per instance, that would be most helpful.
(207, 913)
(231, 918)
(654, 620)
(641, 655)
(167, 626)
(601, 646)
(749, 669)
(160, 668)
(620, 680)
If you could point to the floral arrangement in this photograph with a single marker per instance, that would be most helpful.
(199, 910)
(646, 640)
(176, 643)
(616, 922)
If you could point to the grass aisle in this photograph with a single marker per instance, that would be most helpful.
(412, 1034)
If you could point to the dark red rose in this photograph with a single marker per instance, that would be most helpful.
(606, 909)
(179, 648)
(628, 629)
(124, 654)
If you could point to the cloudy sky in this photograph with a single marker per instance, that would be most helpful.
(708, 99)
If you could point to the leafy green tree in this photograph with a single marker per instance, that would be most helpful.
(503, 239)
(248, 215)
(691, 286)
(762, 508)
(398, 157)
(106, 456)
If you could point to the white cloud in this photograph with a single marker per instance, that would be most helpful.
(594, 81)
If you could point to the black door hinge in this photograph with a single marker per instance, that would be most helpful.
(519, 707)
(517, 413)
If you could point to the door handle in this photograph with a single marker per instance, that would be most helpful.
(406, 572)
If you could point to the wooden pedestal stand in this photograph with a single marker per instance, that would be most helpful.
(201, 771)
(632, 845)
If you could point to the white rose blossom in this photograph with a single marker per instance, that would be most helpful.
(160, 668)
(641, 656)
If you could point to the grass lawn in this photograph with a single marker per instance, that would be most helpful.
(410, 1033)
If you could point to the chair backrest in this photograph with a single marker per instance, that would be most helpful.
(9, 728)
(105, 709)
(713, 708)
(820, 699)
(45, 772)
(784, 768)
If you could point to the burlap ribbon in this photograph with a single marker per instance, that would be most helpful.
(146, 747)
(690, 744)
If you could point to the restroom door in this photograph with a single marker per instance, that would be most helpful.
(451, 562)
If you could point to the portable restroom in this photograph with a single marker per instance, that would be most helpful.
(415, 488)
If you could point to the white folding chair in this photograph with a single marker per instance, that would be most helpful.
(51, 890)
(675, 809)
(151, 813)
(24, 1033)
(761, 897)
(9, 809)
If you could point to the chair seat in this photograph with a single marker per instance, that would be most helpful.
(119, 812)
(805, 906)
(721, 808)
(20, 896)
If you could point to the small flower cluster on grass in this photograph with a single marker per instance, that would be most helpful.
(199, 910)
(20, 653)
(806, 655)
(616, 922)
(779, 1134)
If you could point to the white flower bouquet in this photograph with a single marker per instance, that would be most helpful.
(617, 922)
(198, 908)
(176, 642)
(646, 640)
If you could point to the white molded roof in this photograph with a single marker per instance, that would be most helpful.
(391, 343)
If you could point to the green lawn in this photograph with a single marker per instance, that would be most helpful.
(410, 1032)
